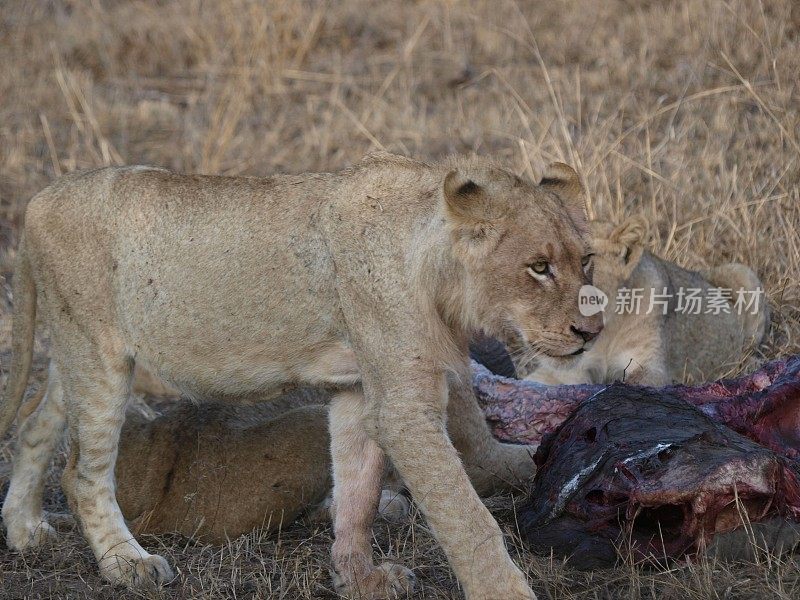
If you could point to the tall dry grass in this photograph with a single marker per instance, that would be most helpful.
(685, 111)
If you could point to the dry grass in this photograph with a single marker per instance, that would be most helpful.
(685, 111)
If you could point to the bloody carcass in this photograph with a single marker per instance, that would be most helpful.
(651, 472)
(644, 471)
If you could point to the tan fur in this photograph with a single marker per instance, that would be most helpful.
(656, 349)
(368, 281)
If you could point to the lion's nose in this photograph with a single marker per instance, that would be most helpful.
(587, 335)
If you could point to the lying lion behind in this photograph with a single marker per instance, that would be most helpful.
(684, 327)
(210, 471)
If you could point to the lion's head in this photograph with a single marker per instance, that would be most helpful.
(525, 251)
(617, 251)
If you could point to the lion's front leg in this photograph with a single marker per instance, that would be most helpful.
(411, 427)
(358, 464)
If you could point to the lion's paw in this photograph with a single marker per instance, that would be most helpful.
(29, 534)
(148, 572)
(386, 581)
(526, 594)
(394, 506)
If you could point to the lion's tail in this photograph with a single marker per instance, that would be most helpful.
(754, 320)
(22, 332)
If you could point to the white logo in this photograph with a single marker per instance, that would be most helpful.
(591, 300)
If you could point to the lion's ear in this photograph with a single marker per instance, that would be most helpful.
(469, 210)
(563, 180)
(631, 234)
(466, 201)
(468, 204)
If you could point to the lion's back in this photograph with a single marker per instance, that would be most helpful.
(709, 338)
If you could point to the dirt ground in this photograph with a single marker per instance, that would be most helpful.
(684, 111)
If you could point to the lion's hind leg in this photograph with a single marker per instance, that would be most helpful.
(97, 388)
(38, 437)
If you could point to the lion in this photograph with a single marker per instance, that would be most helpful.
(666, 344)
(178, 464)
(369, 281)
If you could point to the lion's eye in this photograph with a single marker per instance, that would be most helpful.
(586, 260)
(541, 267)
